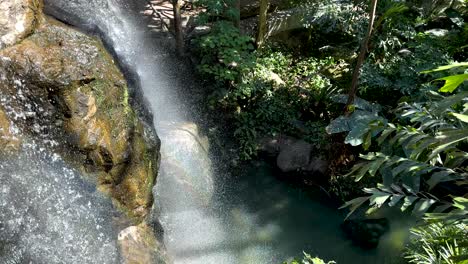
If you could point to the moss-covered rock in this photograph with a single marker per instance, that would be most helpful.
(76, 95)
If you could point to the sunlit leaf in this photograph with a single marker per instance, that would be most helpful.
(422, 206)
(452, 82)
(448, 67)
(408, 201)
(463, 118)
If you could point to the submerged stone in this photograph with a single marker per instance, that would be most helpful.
(366, 233)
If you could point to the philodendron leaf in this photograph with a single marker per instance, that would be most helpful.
(452, 82)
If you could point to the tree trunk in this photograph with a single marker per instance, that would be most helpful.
(262, 22)
(360, 59)
(237, 18)
(179, 37)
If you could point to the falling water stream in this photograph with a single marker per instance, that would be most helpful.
(207, 216)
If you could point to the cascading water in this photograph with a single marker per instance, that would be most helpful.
(48, 213)
(207, 217)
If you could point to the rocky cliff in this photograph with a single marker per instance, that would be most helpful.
(62, 87)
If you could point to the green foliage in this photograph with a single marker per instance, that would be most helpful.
(217, 10)
(401, 47)
(308, 259)
(438, 243)
(277, 96)
(224, 53)
(424, 147)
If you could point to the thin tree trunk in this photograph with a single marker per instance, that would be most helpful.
(179, 38)
(360, 59)
(262, 22)
(237, 18)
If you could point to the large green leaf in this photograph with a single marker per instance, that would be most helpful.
(443, 176)
(408, 201)
(452, 82)
(439, 108)
(448, 67)
(421, 207)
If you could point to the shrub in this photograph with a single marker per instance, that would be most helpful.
(308, 259)
(438, 243)
(278, 95)
(225, 54)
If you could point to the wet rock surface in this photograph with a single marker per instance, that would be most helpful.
(62, 93)
(18, 19)
(68, 86)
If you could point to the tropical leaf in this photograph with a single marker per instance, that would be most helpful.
(448, 67)
(354, 204)
(452, 82)
(463, 118)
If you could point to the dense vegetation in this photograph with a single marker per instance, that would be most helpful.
(408, 123)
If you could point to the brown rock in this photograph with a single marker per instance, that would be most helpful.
(8, 142)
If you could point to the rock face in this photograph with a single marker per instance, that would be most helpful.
(8, 142)
(62, 88)
(61, 85)
(18, 19)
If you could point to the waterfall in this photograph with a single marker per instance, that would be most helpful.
(207, 217)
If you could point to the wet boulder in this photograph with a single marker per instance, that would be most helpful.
(61, 85)
(295, 156)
